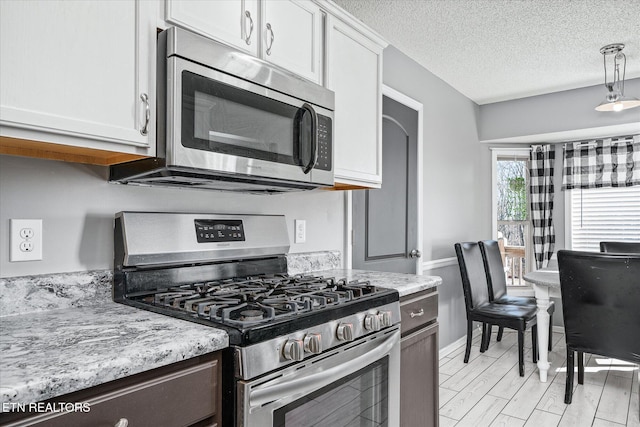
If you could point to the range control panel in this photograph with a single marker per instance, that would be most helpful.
(219, 230)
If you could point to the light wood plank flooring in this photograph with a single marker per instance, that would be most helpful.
(488, 391)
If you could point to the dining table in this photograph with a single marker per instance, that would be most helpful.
(546, 284)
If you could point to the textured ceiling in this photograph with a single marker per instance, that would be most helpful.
(496, 50)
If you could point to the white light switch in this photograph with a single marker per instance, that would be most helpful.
(301, 231)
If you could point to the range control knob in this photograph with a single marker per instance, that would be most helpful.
(313, 343)
(385, 318)
(293, 350)
(345, 332)
(372, 322)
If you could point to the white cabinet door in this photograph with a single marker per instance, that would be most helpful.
(73, 73)
(354, 73)
(292, 36)
(234, 22)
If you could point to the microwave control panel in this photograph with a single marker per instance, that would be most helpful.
(219, 230)
(325, 127)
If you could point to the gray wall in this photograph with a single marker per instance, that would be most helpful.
(565, 116)
(77, 206)
(457, 178)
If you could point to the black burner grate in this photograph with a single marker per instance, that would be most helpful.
(256, 300)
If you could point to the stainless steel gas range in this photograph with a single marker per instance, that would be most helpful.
(305, 350)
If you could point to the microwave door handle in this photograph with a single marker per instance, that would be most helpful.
(314, 138)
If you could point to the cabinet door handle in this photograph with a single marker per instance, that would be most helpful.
(122, 422)
(418, 314)
(271, 38)
(145, 128)
(248, 36)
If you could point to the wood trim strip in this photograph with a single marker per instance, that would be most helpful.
(65, 153)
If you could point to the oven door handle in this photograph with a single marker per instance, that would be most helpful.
(304, 385)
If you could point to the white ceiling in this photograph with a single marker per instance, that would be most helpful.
(496, 50)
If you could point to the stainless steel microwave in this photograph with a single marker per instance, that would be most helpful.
(230, 121)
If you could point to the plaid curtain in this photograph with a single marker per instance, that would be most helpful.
(541, 192)
(610, 162)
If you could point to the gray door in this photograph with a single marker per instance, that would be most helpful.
(385, 220)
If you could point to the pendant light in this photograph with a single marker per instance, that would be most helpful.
(615, 100)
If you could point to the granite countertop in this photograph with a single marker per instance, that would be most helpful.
(405, 284)
(76, 343)
(62, 333)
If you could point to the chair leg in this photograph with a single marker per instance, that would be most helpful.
(521, 352)
(580, 367)
(500, 331)
(568, 390)
(534, 343)
(550, 330)
(486, 337)
(469, 338)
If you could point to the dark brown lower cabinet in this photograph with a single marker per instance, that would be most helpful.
(183, 394)
(419, 360)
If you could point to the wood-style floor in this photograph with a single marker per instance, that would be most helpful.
(488, 391)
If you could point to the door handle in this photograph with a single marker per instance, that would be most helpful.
(271, 38)
(248, 36)
(147, 114)
(415, 254)
(314, 138)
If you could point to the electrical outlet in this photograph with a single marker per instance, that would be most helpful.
(301, 231)
(26, 240)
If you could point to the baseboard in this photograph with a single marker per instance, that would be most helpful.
(445, 351)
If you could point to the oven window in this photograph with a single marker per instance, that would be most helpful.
(361, 399)
(221, 118)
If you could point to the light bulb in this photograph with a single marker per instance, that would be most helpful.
(618, 106)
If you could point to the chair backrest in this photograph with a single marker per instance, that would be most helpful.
(601, 303)
(474, 280)
(494, 268)
(620, 247)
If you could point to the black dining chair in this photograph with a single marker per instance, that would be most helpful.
(480, 309)
(494, 269)
(620, 247)
(600, 305)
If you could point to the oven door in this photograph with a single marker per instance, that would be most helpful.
(355, 385)
(219, 122)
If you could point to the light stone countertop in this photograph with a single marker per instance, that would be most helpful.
(52, 353)
(63, 333)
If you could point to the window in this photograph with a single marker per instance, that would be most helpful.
(602, 214)
(511, 211)
(512, 206)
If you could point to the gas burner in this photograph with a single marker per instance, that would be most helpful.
(251, 315)
(246, 314)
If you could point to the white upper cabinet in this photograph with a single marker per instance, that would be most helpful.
(287, 33)
(79, 74)
(354, 73)
(234, 22)
(292, 36)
